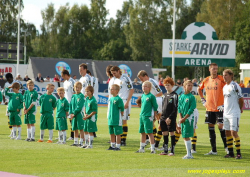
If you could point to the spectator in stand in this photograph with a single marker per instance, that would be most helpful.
(161, 82)
(18, 77)
(136, 82)
(39, 78)
(242, 84)
(47, 79)
(1, 76)
(56, 78)
(194, 81)
(178, 83)
(26, 78)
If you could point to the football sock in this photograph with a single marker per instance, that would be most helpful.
(81, 141)
(51, 135)
(142, 145)
(28, 133)
(112, 145)
(172, 143)
(64, 136)
(223, 137)
(19, 131)
(194, 140)
(75, 140)
(237, 145)
(152, 147)
(125, 132)
(14, 131)
(72, 132)
(188, 147)
(86, 139)
(158, 138)
(177, 137)
(230, 145)
(165, 145)
(212, 136)
(60, 133)
(41, 134)
(33, 130)
(10, 126)
(154, 132)
(118, 145)
(91, 139)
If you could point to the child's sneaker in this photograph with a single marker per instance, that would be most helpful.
(187, 157)
(18, 138)
(40, 141)
(211, 153)
(27, 139)
(49, 141)
(31, 140)
(140, 151)
(84, 146)
(193, 151)
(117, 149)
(171, 154)
(63, 142)
(89, 147)
(111, 148)
(74, 145)
(153, 152)
(229, 156)
(238, 156)
(13, 137)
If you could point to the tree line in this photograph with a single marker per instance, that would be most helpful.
(135, 34)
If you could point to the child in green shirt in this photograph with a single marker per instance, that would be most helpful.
(148, 102)
(62, 111)
(186, 106)
(48, 104)
(76, 113)
(115, 114)
(14, 108)
(1, 97)
(90, 117)
(29, 103)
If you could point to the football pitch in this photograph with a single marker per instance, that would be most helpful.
(44, 159)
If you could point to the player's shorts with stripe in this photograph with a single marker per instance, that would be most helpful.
(115, 129)
(127, 111)
(159, 103)
(90, 124)
(78, 122)
(61, 123)
(187, 128)
(231, 123)
(169, 128)
(213, 117)
(47, 121)
(196, 117)
(146, 124)
(30, 117)
(15, 118)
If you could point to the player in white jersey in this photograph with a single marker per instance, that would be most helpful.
(10, 81)
(157, 92)
(95, 84)
(86, 79)
(233, 107)
(68, 86)
(125, 93)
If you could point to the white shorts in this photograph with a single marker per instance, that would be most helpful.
(196, 117)
(231, 123)
(159, 102)
(127, 111)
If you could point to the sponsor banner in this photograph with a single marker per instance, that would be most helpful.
(246, 105)
(199, 52)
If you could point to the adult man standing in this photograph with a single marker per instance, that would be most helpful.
(85, 79)
(68, 86)
(126, 92)
(214, 104)
(233, 102)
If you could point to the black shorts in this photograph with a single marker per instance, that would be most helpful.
(169, 128)
(213, 117)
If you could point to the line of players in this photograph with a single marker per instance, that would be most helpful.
(214, 104)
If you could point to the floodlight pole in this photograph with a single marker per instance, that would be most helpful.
(18, 38)
(173, 43)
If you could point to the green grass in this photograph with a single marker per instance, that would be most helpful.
(42, 159)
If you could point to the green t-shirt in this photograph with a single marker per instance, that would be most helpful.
(1, 97)
(30, 97)
(116, 106)
(148, 102)
(15, 100)
(76, 104)
(186, 104)
(47, 103)
(90, 105)
(62, 106)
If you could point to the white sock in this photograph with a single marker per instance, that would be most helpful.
(118, 145)
(188, 147)
(91, 138)
(142, 145)
(64, 136)
(60, 135)
(33, 130)
(19, 131)
(86, 136)
(51, 135)
(41, 134)
(152, 147)
(81, 141)
(75, 140)
(14, 131)
(112, 145)
(28, 133)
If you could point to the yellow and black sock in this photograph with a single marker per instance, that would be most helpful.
(194, 140)
(125, 132)
(237, 145)
(230, 145)
(154, 131)
(158, 137)
(177, 137)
